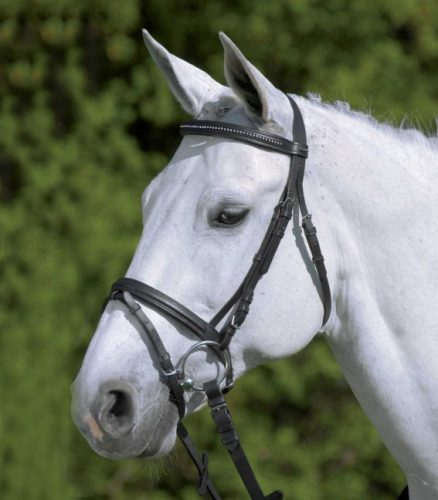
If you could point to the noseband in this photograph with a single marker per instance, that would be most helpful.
(233, 313)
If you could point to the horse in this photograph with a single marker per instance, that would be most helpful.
(373, 193)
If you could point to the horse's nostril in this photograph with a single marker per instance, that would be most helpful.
(121, 406)
(116, 413)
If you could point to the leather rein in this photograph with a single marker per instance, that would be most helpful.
(233, 313)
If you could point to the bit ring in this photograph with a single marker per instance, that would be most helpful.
(224, 357)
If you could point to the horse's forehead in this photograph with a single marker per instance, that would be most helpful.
(201, 164)
(216, 162)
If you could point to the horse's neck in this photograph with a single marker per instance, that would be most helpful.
(374, 202)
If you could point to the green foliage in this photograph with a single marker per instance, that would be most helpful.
(86, 121)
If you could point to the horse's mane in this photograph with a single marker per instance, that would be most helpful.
(405, 131)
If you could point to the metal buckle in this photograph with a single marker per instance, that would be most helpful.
(218, 408)
(169, 373)
(233, 323)
(188, 383)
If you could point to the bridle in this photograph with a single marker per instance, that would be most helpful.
(233, 313)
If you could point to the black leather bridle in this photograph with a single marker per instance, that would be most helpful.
(235, 310)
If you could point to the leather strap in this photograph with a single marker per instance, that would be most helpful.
(229, 438)
(167, 306)
(166, 365)
(307, 225)
(200, 461)
(244, 134)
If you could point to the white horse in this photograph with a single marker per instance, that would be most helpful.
(373, 193)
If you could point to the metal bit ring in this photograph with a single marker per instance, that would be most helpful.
(224, 357)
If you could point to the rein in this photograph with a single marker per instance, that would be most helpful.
(128, 291)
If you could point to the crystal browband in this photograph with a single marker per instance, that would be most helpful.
(244, 134)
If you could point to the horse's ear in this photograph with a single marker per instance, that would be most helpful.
(260, 98)
(192, 87)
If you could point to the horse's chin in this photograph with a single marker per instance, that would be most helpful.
(160, 449)
(157, 445)
(152, 437)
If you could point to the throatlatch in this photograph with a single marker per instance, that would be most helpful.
(236, 309)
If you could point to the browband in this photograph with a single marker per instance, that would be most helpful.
(244, 134)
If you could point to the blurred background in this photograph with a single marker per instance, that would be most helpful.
(86, 122)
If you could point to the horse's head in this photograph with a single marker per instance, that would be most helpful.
(204, 218)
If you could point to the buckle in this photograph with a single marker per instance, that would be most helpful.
(169, 373)
(287, 208)
(219, 407)
(233, 323)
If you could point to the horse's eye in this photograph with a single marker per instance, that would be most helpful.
(230, 216)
